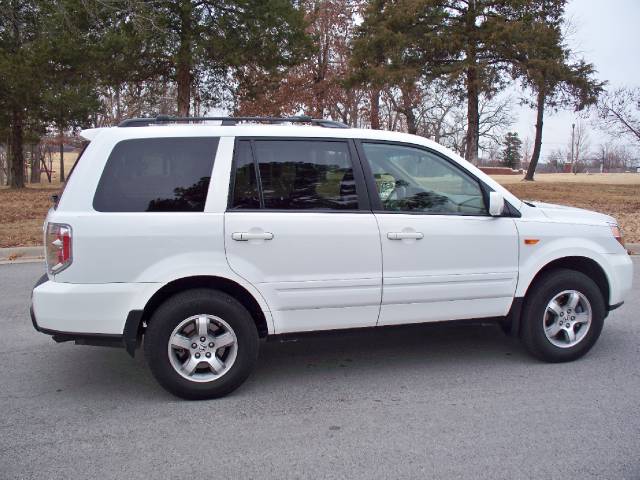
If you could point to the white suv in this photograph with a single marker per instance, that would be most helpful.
(204, 235)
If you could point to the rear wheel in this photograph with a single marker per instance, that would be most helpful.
(201, 344)
(563, 316)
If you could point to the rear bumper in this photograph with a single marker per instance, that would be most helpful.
(87, 309)
(90, 314)
(80, 338)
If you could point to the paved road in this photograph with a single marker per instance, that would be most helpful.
(435, 401)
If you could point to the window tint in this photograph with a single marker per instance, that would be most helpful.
(245, 188)
(157, 175)
(414, 180)
(297, 175)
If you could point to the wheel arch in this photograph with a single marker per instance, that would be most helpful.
(586, 265)
(138, 319)
(578, 263)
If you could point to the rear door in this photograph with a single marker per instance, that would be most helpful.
(299, 227)
(444, 256)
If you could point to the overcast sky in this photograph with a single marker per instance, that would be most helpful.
(607, 34)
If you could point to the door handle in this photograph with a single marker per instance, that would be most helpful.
(246, 236)
(405, 235)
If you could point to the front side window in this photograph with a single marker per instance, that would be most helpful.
(295, 175)
(410, 179)
(157, 175)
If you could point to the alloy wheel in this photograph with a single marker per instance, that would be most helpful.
(567, 318)
(202, 348)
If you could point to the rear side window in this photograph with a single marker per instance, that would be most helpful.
(294, 175)
(157, 175)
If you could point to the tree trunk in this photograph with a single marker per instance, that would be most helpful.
(61, 156)
(49, 168)
(374, 99)
(184, 60)
(537, 144)
(473, 117)
(16, 170)
(36, 160)
(412, 128)
(8, 162)
(473, 84)
(407, 110)
(4, 166)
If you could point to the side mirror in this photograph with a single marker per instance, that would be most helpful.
(496, 204)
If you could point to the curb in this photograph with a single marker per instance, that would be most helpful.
(21, 255)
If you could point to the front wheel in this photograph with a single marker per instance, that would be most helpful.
(563, 316)
(201, 344)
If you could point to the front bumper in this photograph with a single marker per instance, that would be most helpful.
(620, 276)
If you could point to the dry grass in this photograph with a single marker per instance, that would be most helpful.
(595, 178)
(21, 215)
(22, 212)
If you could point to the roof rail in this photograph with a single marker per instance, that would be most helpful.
(160, 119)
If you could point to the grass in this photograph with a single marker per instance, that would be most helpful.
(22, 211)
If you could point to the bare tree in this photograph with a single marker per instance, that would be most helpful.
(619, 113)
(441, 116)
(612, 157)
(557, 158)
(135, 99)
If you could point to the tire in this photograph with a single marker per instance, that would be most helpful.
(541, 319)
(225, 358)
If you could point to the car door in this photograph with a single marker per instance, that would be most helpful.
(299, 227)
(444, 256)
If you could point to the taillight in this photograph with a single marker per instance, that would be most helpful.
(58, 247)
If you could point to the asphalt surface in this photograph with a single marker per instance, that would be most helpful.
(435, 401)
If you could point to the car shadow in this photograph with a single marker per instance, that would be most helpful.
(389, 350)
(310, 359)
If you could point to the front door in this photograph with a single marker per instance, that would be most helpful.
(444, 256)
(300, 229)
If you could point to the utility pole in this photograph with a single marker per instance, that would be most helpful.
(573, 130)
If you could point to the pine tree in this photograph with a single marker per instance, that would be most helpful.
(20, 79)
(56, 56)
(202, 44)
(511, 154)
(455, 40)
(544, 64)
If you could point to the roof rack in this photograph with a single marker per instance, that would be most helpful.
(229, 121)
